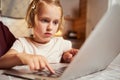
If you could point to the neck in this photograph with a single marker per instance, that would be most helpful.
(38, 42)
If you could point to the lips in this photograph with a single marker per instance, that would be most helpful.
(48, 34)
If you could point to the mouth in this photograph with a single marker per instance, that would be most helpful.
(48, 34)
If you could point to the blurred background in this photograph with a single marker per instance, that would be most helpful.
(81, 16)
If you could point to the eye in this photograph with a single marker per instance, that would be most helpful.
(56, 22)
(44, 20)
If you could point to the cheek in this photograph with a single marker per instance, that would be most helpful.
(38, 30)
(39, 27)
(55, 29)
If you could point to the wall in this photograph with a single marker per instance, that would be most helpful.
(14, 8)
(75, 17)
(80, 23)
(70, 8)
(95, 10)
(71, 11)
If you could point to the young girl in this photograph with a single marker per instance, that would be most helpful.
(45, 17)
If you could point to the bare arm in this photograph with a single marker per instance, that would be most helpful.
(9, 60)
(35, 62)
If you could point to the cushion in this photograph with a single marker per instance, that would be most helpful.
(18, 27)
(6, 39)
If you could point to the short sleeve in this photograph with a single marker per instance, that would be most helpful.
(67, 45)
(18, 46)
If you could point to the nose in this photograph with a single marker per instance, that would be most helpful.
(49, 28)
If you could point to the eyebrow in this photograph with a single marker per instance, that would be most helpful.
(39, 17)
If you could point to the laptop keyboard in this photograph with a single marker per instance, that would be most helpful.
(58, 72)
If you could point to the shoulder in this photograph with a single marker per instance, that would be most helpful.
(62, 42)
(21, 40)
(21, 44)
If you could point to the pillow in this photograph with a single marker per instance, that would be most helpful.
(6, 39)
(18, 27)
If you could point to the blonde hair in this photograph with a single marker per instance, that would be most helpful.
(36, 6)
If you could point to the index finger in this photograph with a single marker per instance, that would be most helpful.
(50, 68)
(74, 51)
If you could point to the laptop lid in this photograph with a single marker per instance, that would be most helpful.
(101, 47)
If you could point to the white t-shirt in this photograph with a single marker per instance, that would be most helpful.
(52, 50)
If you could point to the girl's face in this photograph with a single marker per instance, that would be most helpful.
(46, 23)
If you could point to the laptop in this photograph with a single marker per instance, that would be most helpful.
(97, 52)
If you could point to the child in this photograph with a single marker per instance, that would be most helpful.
(45, 17)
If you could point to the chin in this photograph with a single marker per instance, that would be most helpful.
(47, 40)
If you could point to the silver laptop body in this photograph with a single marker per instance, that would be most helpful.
(101, 47)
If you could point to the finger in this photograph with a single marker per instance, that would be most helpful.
(74, 51)
(50, 68)
(31, 65)
(48, 65)
(42, 64)
(67, 55)
(36, 63)
(68, 58)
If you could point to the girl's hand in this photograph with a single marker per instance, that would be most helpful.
(68, 56)
(35, 62)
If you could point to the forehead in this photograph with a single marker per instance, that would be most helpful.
(49, 10)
